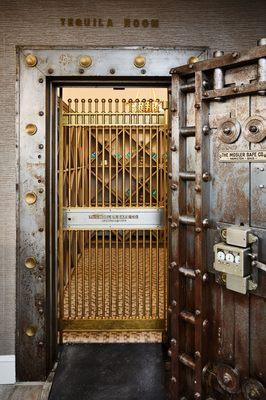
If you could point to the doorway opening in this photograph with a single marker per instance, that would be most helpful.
(112, 214)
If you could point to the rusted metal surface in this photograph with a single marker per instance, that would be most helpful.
(229, 335)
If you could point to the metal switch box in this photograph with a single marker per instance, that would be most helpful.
(231, 259)
(237, 236)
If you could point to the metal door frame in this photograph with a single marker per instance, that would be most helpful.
(39, 71)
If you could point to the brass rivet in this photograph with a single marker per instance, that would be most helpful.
(31, 60)
(31, 331)
(31, 198)
(139, 61)
(30, 262)
(192, 60)
(85, 61)
(31, 129)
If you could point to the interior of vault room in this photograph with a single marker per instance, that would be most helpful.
(112, 271)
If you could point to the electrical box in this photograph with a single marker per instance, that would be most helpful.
(237, 236)
(231, 259)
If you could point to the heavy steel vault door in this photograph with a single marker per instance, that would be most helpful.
(112, 215)
(218, 236)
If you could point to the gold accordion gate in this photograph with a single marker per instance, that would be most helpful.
(112, 198)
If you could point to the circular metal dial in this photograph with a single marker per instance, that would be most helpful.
(220, 256)
(229, 257)
(237, 259)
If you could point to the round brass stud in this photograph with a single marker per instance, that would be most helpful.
(31, 60)
(31, 331)
(31, 129)
(139, 61)
(85, 61)
(30, 262)
(192, 60)
(31, 198)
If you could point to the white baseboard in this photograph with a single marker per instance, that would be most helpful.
(7, 369)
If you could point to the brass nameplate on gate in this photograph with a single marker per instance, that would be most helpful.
(243, 156)
(113, 218)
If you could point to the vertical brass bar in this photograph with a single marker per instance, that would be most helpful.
(117, 275)
(157, 274)
(123, 166)
(137, 273)
(103, 272)
(89, 257)
(69, 165)
(103, 166)
(110, 274)
(144, 275)
(90, 160)
(83, 204)
(130, 166)
(150, 275)
(76, 154)
(110, 166)
(60, 211)
(69, 274)
(96, 274)
(76, 273)
(144, 166)
(158, 232)
(130, 273)
(137, 166)
(116, 167)
(96, 166)
(150, 132)
(165, 200)
(123, 274)
(83, 273)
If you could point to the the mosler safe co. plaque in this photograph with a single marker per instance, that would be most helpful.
(113, 218)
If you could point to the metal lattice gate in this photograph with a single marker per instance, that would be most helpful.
(112, 215)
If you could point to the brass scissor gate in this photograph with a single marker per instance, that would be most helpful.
(112, 191)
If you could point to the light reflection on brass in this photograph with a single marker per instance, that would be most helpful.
(192, 60)
(31, 331)
(31, 129)
(31, 60)
(30, 262)
(31, 198)
(85, 61)
(117, 157)
(139, 61)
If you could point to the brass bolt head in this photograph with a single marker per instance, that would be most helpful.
(30, 262)
(31, 60)
(31, 331)
(31, 129)
(192, 60)
(85, 61)
(30, 198)
(139, 61)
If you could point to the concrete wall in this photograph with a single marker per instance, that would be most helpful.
(223, 24)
